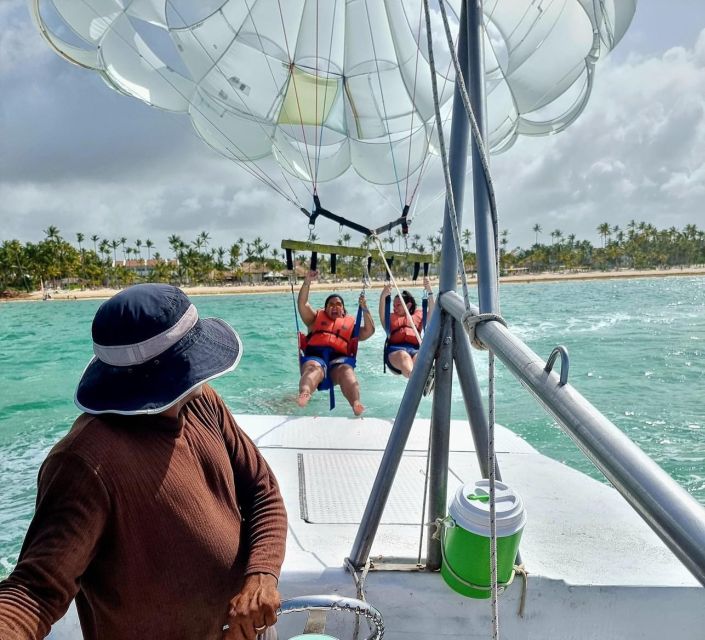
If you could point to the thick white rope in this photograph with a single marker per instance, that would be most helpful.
(491, 361)
(377, 239)
(450, 200)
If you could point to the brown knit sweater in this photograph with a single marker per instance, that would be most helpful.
(150, 523)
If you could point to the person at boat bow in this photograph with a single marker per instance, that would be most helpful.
(156, 512)
(402, 345)
(331, 345)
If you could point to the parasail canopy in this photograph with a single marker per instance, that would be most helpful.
(325, 86)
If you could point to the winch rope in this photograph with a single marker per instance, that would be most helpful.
(456, 239)
(425, 496)
(393, 282)
(359, 580)
(450, 200)
(476, 134)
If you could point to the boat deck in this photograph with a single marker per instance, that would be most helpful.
(596, 570)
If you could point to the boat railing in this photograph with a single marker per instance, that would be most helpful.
(676, 517)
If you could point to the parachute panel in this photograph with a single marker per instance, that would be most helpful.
(309, 98)
(151, 11)
(387, 161)
(248, 82)
(308, 162)
(321, 44)
(90, 22)
(133, 67)
(232, 135)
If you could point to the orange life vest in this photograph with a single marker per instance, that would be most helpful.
(334, 334)
(401, 332)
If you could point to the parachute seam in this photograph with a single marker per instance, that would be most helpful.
(255, 118)
(384, 106)
(257, 172)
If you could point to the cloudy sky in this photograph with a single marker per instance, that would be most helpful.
(79, 156)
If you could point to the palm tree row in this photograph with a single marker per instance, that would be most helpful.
(641, 246)
(114, 262)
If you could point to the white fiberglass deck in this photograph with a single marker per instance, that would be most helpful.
(596, 571)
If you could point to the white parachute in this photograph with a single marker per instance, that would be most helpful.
(325, 85)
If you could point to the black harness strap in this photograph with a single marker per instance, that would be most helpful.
(344, 222)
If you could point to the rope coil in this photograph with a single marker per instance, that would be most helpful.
(471, 320)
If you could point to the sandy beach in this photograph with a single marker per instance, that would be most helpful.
(328, 285)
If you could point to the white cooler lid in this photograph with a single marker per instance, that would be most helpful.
(470, 509)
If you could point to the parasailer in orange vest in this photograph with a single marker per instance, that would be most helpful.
(403, 329)
(328, 351)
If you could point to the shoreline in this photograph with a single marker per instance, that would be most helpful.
(249, 289)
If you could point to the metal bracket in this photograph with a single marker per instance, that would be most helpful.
(565, 363)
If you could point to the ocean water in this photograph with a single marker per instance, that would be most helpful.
(637, 352)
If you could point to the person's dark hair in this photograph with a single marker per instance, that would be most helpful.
(334, 295)
(408, 298)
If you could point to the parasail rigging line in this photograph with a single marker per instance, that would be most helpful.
(384, 106)
(242, 100)
(392, 280)
(450, 200)
(318, 210)
(292, 79)
(325, 91)
(428, 159)
(269, 182)
(235, 150)
(254, 170)
(413, 111)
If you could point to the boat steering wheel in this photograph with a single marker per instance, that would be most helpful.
(318, 606)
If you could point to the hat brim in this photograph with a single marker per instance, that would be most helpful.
(209, 350)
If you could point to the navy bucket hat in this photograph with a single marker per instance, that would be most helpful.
(151, 350)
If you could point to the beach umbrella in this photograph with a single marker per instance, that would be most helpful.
(321, 87)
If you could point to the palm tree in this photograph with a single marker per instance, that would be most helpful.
(123, 241)
(149, 244)
(604, 230)
(537, 229)
(79, 238)
(52, 233)
(175, 244)
(94, 239)
(138, 244)
(467, 237)
(114, 244)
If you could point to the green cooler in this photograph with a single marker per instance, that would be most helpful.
(466, 538)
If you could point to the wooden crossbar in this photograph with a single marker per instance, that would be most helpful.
(297, 245)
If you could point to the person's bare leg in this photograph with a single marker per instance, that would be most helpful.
(402, 360)
(344, 376)
(311, 376)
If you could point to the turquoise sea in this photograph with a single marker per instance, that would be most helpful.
(637, 352)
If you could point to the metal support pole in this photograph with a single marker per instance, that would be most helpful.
(470, 387)
(440, 423)
(484, 230)
(457, 162)
(440, 439)
(397, 441)
(676, 517)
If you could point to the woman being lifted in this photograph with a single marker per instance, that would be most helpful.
(402, 344)
(328, 352)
